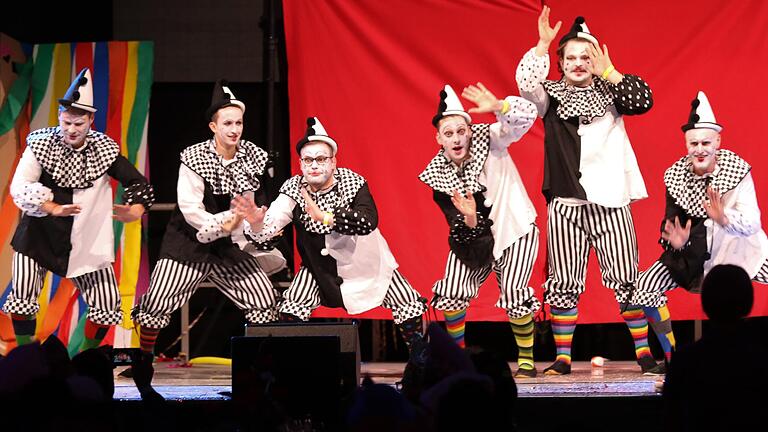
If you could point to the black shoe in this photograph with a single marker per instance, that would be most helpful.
(526, 373)
(559, 367)
(288, 318)
(648, 366)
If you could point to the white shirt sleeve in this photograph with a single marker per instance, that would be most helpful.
(510, 127)
(189, 192)
(26, 190)
(531, 72)
(744, 214)
(279, 214)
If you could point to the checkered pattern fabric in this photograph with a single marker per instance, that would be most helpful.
(341, 194)
(689, 190)
(72, 168)
(235, 178)
(443, 176)
(588, 102)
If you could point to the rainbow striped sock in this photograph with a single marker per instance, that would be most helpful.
(147, 338)
(24, 327)
(563, 326)
(638, 327)
(523, 330)
(454, 323)
(662, 326)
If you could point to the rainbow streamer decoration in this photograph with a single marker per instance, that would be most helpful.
(122, 81)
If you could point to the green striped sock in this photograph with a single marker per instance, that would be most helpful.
(523, 330)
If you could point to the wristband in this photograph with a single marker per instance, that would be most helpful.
(505, 107)
(608, 71)
(327, 218)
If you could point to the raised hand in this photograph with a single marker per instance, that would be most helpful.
(312, 209)
(483, 98)
(247, 209)
(599, 58)
(232, 224)
(546, 32)
(713, 205)
(466, 206)
(676, 234)
(127, 212)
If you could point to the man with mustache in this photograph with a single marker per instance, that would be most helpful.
(491, 219)
(711, 218)
(345, 261)
(62, 185)
(590, 178)
(204, 238)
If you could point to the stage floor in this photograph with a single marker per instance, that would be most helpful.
(214, 382)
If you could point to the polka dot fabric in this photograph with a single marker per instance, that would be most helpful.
(235, 178)
(139, 193)
(336, 200)
(689, 190)
(461, 233)
(32, 197)
(70, 168)
(443, 176)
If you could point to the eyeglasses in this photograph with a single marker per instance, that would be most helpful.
(321, 160)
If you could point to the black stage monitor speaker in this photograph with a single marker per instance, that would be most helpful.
(297, 376)
(347, 332)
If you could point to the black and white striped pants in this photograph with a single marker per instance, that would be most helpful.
(571, 231)
(653, 284)
(98, 288)
(513, 272)
(303, 296)
(173, 283)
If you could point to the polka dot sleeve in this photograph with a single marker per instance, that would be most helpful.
(30, 197)
(461, 233)
(360, 217)
(139, 193)
(632, 95)
(211, 229)
(532, 71)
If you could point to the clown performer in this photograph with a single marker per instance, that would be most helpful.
(491, 219)
(345, 261)
(590, 178)
(711, 218)
(204, 238)
(62, 185)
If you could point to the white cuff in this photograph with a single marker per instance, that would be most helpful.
(211, 230)
(31, 197)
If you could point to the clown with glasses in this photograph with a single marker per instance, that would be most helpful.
(345, 261)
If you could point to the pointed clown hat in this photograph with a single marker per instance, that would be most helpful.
(579, 29)
(701, 116)
(222, 97)
(449, 105)
(316, 132)
(80, 93)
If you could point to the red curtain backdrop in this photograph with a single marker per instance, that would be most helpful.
(371, 71)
